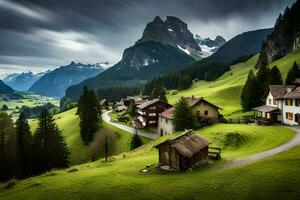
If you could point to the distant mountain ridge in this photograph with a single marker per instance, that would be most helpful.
(5, 89)
(57, 81)
(23, 81)
(284, 39)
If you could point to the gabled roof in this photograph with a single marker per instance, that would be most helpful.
(294, 94)
(103, 101)
(168, 113)
(194, 100)
(148, 103)
(187, 144)
(279, 91)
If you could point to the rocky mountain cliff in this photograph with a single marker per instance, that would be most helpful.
(56, 82)
(164, 46)
(285, 37)
(23, 81)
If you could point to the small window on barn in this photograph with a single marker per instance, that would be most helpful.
(270, 101)
(206, 112)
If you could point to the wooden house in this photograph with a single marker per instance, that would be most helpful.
(183, 152)
(148, 112)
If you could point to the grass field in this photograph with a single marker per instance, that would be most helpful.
(68, 122)
(226, 90)
(121, 179)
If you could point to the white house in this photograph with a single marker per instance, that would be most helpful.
(282, 104)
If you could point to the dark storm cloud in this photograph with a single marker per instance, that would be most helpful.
(48, 33)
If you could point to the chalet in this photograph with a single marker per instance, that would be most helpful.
(104, 104)
(148, 112)
(282, 105)
(203, 109)
(183, 152)
(124, 103)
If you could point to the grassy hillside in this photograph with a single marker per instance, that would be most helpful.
(121, 179)
(226, 90)
(68, 123)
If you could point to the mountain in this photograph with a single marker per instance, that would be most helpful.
(56, 82)
(5, 89)
(285, 37)
(238, 48)
(155, 53)
(23, 81)
(245, 44)
(209, 46)
(172, 31)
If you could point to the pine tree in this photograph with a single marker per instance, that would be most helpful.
(158, 91)
(9, 154)
(51, 150)
(275, 77)
(245, 97)
(24, 142)
(131, 109)
(185, 81)
(135, 141)
(184, 118)
(89, 111)
(293, 73)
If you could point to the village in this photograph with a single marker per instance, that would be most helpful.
(189, 149)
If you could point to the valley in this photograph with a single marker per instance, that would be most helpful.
(201, 105)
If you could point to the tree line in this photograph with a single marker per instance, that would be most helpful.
(23, 154)
(256, 87)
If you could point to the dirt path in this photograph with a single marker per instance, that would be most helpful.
(106, 118)
(266, 154)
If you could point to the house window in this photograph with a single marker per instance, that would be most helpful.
(270, 101)
(289, 116)
(152, 122)
(289, 102)
(298, 102)
(274, 102)
(152, 114)
(152, 108)
(198, 113)
(206, 112)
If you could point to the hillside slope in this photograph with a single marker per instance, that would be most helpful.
(122, 179)
(68, 122)
(5, 89)
(226, 90)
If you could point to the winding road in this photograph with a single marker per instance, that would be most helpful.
(106, 118)
(234, 163)
(266, 154)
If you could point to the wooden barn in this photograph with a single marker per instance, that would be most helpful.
(183, 152)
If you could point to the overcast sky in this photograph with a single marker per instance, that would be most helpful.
(38, 35)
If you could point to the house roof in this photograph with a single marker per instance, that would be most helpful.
(294, 94)
(168, 113)
(148, 103)
(187, 144)
(266, 108)
(279, 91)
(194, 100)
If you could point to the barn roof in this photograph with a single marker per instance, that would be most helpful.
(187, 144)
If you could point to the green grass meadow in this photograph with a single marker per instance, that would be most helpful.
(122, 179)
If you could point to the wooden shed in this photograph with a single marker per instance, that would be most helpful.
(183, 152)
